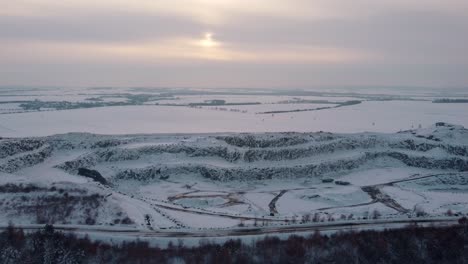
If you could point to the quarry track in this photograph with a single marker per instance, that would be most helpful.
(272, 204)
(377, 195)
(374, 191)
(247, 231)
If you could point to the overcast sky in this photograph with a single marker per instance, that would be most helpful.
(234, 43)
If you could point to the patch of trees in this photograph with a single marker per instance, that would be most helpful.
(427, 162)
(26, 160)
(37, 105)
(107, 143)
(16, 146)
(20, 188)
(343, 144)
(410, 244)
(217, 102)
(54, 205)
(251, 141)
(62, 209)
(339, 104)
(447, 100)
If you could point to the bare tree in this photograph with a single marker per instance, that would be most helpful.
(376, 214)
(306, 218)
(449, 212)
(316, 217)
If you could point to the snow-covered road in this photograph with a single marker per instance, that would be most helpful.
(373, 224)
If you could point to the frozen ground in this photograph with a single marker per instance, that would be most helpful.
(159, 159)
(223, 180)
(388, 116)
(41, 112)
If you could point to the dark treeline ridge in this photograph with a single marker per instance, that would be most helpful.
(339, 104)
(447, 101)
(412, 244)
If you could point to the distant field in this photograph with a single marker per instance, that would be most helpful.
(386, 116)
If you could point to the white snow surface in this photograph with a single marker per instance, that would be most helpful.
(176, 181)
(388, 116)
(168, 167)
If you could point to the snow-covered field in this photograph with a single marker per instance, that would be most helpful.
(388, 116)
(42, 112)
(149, 159)
(262, 108)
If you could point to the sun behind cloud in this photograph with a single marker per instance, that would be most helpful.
(208, 41)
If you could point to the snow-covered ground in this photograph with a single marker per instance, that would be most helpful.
(225, 180)
(134, 110)
(152, 166)
(262, 108)
(387, 116)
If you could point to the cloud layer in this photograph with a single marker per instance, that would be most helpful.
(266, 43)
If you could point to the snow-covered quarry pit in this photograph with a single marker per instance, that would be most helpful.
(223, 180)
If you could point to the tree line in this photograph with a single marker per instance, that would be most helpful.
(412, 244)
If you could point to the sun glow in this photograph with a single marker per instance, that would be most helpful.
(208, 42)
